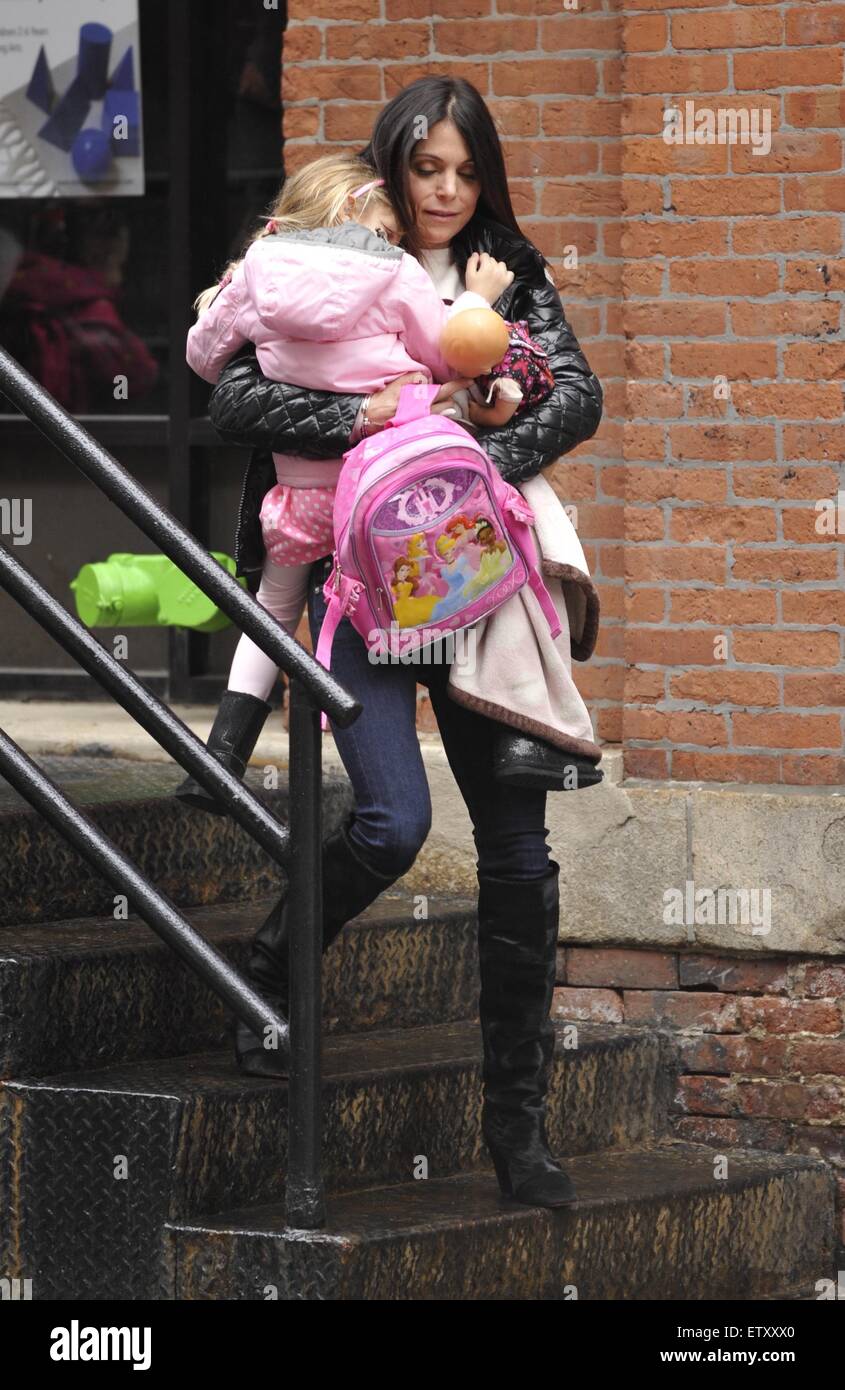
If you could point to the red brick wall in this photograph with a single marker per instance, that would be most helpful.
(733, 268)
(723, 608)
(761, 1041)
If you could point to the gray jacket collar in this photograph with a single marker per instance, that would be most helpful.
(349, 235)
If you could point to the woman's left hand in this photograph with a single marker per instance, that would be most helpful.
(383, 404)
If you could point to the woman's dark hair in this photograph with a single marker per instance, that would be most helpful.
(419, 107)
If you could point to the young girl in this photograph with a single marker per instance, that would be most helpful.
(330, 302)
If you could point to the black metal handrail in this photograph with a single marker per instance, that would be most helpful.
(145, 707)
(312, 689)
(98, 465)
(156, 909)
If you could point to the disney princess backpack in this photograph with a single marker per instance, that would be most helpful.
(429, 537)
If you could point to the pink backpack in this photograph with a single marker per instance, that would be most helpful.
(429, 537)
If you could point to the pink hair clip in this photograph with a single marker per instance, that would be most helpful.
(271, 226)
(365, 187)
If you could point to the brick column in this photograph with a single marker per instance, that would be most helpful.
(732, 304)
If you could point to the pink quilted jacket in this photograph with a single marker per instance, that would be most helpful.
(334, 309)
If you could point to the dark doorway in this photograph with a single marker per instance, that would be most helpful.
(211, 101)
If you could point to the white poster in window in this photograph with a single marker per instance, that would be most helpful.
(70, 99)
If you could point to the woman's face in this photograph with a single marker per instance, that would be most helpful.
(443, 185)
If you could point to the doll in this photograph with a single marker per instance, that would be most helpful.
(522, 378)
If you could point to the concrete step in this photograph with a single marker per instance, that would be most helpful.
(92, 991)
(197, 1136)
(192, 857)
(649, 1223)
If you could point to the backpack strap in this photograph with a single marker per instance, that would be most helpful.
(517, 507)
(340, 594)
(415, 401)
(537, 583)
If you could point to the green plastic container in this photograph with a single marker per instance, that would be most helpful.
(146, 591)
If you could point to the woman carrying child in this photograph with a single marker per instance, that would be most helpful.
(450, 196)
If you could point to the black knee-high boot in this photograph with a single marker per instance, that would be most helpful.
(349, 885)
(234, 734)
(517, 942)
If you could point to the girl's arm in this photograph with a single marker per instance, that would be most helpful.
(567, 417)
(424, 316)
(246, 408)
(216, 335)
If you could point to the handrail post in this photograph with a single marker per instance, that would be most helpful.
(304, 1199)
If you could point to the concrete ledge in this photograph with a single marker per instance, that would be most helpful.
(103, 729)
(745, 868)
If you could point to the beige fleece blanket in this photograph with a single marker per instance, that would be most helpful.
(515, 671)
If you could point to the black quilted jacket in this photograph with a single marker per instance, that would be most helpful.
(246, 408)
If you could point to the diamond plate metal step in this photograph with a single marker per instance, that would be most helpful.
(92, 991)
(650, 1223)
(194, 1135)
(136, 1161)
(192, 857)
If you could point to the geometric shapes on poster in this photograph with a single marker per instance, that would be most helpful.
(68, 118)
(122, 123)
(91, 154)
(123, 77)
(41, 91)
(92, 71)
(53, 85)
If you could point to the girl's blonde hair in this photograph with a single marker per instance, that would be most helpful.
(314, 196)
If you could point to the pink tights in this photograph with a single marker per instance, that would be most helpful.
(282, 592)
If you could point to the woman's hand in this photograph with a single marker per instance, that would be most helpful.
(383, 404)
(487, 277)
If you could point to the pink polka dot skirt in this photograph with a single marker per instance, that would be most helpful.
(296, 523)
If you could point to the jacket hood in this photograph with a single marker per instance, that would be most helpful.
(320, 281)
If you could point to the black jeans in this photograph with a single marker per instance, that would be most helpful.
(381, 754)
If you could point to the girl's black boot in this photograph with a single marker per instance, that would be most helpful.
(517, 946)
(234, 734)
